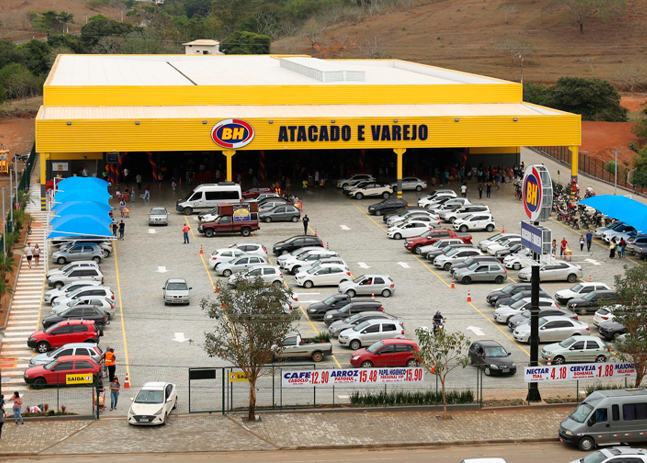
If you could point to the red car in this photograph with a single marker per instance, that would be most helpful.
(431, 236)
(257, 190)
(63, 333)
(58, 370)
(386, 353)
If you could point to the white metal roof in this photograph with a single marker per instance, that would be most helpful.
(356, 111)
(203, 42)
(137, 70)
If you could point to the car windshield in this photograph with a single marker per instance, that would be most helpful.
(542, 321)
(50, 364)
(581, 412)
(330, 300)
(519, 295)
(51, 328)
(577, 288)
(526, 314)
(597, 457)
(507, 289)
(473, 266)
(567, 342)
(345, 309)
(358, 279)
(176, 286)
(75, 293)
(451, 252)
(354, 318)
(467, 217)
(313, 270)
(589, 296)
(361, 326)
(519, 304)
(149, 397)
(374, 347)
(497, 351)
(158, 211)
(603, 311)
(493, 237)
(425, 234)
(515, 247)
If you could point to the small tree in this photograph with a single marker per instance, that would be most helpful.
(508, 9)
(66, 18)
(631, 290)
(251, 324)
(611, 167)
(441, 354)
(580, 11)
(594, 99)
(4, 289)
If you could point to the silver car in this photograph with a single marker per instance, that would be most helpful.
(106, 246)
(176, 291)
(552, 329)
(411, 184)
(340, 325)
(53, 294)
(222, 256)
(75, 274)
(455, 256)
(103, 291)
(104, 303)
(577, 349)
(483, 245)
(324, 275)
(158, 216)
(294, 266)
(338, 261)
(282, 259)
(270, 274)
(371, 331)
(554, 271)
(251, 249)
(65, 268)
(505, 312)
(367, 285)
(240, 264)
(74, 348)
(80, 251)
(482, 271)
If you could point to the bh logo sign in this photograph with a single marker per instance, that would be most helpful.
(232, 133)
(532, 191)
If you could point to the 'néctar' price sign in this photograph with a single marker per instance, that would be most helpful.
(578, 371)
(309, 378)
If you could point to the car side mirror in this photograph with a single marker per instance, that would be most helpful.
(590, 422)
(163, 287)
(509, 354)
(542, 328)
(132, 399)
(190, 287)
(169, 399)
(571, 348)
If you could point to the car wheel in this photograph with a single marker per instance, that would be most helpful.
(386, 195)
(97, 259)
(226, 273)
(498, 280)
(600, 359)
(317, 357)
(452, 219)
(277, 283)
(351, 293)
(386, 293)
(39, 383)
(586, 444)
(107, 253)
(489, 228)
(295, 219)
(284, 252)
(188, 211)
(466, 280)
(517, 266)
(412, 363)
(355, 344)
(416, 249)
(308, 284)
(572, 278)
(463, 228)
(397, 236)
(61, 261)
(378, 212)
(42, 347)
(367, 364)
(447, 266)
(418, 188)
(359, 196)
(559, 360)
(209, 233)
(583, 311)
(245, 231)
(487, 371)
(295, 270)
(58, 285)
(52, 301)
(268, 219)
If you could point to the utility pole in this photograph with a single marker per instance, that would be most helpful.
(4, 226)
(615, 184)
(533, 388)
(10, 197)
(521, 56)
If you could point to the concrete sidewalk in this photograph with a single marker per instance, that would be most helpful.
(213, 433)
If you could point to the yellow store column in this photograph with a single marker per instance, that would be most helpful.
(230, 155)
(400, 152)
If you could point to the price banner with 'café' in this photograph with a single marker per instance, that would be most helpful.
(578, 371)
(309, 378)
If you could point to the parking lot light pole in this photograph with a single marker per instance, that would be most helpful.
(533, 388)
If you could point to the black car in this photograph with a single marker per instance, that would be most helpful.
(524, 317)
(351, 309)
(592, 301)
(503, 253)
(296, 242)
(492, 358)
(317, 310)
(386, 217)
(611, 330)
(85, 312)
(520, 295)
(508, 291)
(470, 261)
(386, 206)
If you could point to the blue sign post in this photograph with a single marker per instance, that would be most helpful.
(536, 238)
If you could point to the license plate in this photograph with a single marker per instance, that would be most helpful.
(144, 420)
(505, 370)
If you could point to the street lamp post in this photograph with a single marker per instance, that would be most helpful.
(615, 184)
(4, 226)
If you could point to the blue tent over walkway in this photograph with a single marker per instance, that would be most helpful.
(627, 210)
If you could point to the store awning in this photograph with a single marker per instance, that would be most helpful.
(621, 208)
(82, 195)
(77, 225)
(82, 183)
(81, 207)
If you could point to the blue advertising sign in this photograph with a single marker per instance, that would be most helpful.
(536, 238)
(112, 158)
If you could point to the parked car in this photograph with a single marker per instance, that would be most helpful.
(431, 236)
(579, 290)
(408, 229)
(270, 204)
(605, 314)
(270, 274)
(221, 256)
(263, 198)
(82, 312)
(554, 271)
(323, 262)
(517, 248)
(55, 373)
(636, 243)
(592, 301)
(106, 246)
(296, 346)
(84, 292)
(61, 270)
(577, 349)
(350, 309)
(329, 275)
(505, 312)
(520, 295)
(611, 330)
(239, 264)
(409, 213)
(464, 212)
(455, 267)
(483, 245)
(158, 216)
(253, 192)
(210, 216)
(371, 189)
(518, 260)
(623, 231)
(153, 404)
(294, 264)
(449, 205)
(411, 184)
(80, 251)
(340, 325)
(353, 179)
(386, 353)
(75, 275)
(482, 271)
(386, 206)
(367, 285)
(492, 358)
(439, 244)
(502, 244)
(250, 249)
(296, 242)
(614, 454)
(476, 221)
(441, 251)
(104, 303)
(508, 291)
(455, 256)
(370, 331)
(176, 291)
(226, 224)
(524, 317)
(284, 213)
(75, 349)
(552, 329)
(601, 230)
(53, 294)
(432, 198)
(62, 333)
(317, 310)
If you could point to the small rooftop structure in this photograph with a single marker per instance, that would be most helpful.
(202, 47)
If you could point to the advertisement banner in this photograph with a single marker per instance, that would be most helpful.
(241, 213)
(541, 374)
(351, 376)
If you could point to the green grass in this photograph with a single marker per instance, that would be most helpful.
(399, 398)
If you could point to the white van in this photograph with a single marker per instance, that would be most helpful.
(209, 195)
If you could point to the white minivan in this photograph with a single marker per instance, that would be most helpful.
(209, 195)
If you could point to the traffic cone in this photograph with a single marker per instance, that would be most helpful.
(453, 286)
(373, 296)
(590, 280)
(316, 232)
(503, 229)
(201, 251)
(548, 361)
(327, 246)
(469, 296)
(127, 382)
(218, 288)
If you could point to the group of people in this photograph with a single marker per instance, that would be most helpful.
(119, 229)
(32, 253)
(617, 247)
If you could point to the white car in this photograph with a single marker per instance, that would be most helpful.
(502, 244)
(293, 266)
(89, 291)
(469, 209)
(222, 256)
(411, 183)
(553, 328)
(435, 197)
(323, 276)
(616, 235)
(503, 313)
(371, 189)
(408, 229)
(370, 332)
(601, 230)
(270, 274)
(579, 290)
(605, 314)
(519, 260)
(79, 263)
(554, 271)
(496, 238)
(449, 205)
(251, 249)
(354, 180)
(408, 215)
(153, 404)
(53, 294)
(106, 304)
(324, 261)
(284, 257)
(477, 221)
(210, 216)
(455, 256)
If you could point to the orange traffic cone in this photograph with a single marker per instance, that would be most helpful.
(590, 280)
(316, 232)
(548, 361)
(373, 296)
(218, 288)
(503, 229)
(127, 382)
(469, 296)
(453, 286)
(327, 246)
(201, 251)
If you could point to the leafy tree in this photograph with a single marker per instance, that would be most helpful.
(611, 167)
(249, 323)
(3, 95)
(18, 82)
(8, 53)
(246, 43)
(640, 128)
(442, 353)
(35, 55)
(535, 93)
(631, 290)
(99, 26)
(66, 18)
(148, 43)
(594, 99)
(47, 22)
(4, 289)
(73, 42)
(581, 11)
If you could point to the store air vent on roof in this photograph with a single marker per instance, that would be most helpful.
(323, 71)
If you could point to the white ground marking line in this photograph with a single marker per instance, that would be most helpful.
(152, 231)
(344, 227)
(476, 331)
(363, 265)
(161, 270)
(179, 337)
(592, 261)
(403, 265)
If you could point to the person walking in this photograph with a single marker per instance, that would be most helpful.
(305, 186)
(582, 242)
(589, 240)
(305, 221)
(562, 247)
(480, 190)
(621, 248)
(3, 417)
(115, 228)
(612, 249)
(29, 253)
(126, 174)
(122, 230)
(110, 360)
(147, 192)
(17, 408)
(36, 252)
(464, 190)
(553, 248)
(185, 230)
(114, 393)
(488, 189)
(138, 180)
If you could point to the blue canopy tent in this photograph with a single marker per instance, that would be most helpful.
(78, 225)
(81, 208)
(622, 208)
(95, 195)
(82, 183)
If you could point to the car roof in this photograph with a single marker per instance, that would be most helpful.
(399, 341)
(559, 317)
(154, 386)
(78, 344)
(264, 266)
(373, 275)
(377, 320)
(70, 358)
(488, 343)
(176, 280)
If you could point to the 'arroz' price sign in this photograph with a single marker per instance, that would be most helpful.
(578, 371)
(309, 378)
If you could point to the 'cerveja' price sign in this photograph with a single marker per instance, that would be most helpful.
(578, 371)
(309, 378)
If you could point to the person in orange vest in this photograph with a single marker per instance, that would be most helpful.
(110, 360)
